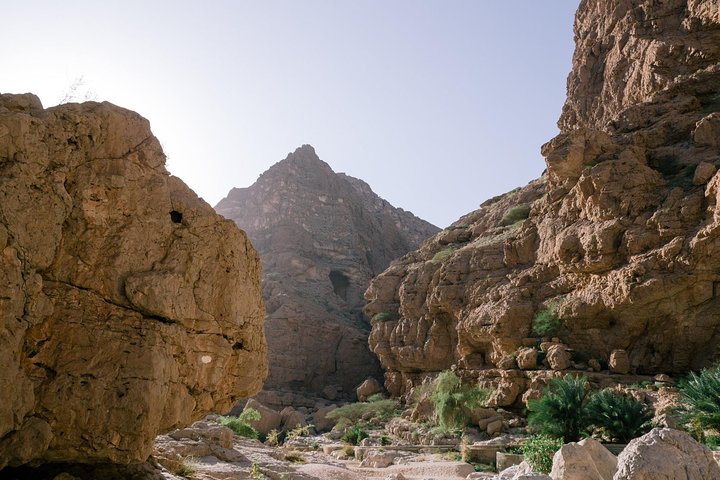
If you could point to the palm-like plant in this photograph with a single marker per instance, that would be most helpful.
(618, 416)
(562, 410)
(701, 399)
(451, 400)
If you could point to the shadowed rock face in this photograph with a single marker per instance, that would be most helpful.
(321, 236)
(127, 306)
(623, 233)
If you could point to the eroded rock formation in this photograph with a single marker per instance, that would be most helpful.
(321, 236)
(622, 233)
(127, 306)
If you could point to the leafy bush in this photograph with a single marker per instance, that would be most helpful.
(538, 451)
(712, 442)
(354, 435)
(562, 410)
(299, 431)
(381, 317)
(516, 214)
(240, 425)
(442, 255)
(700, 399)
(451, 400)
(546, 323)
(353, 412)
(274, 438)
(619, 417)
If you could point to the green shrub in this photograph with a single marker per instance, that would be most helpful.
(354, 435)
(299, 431)
(381, 317)
(618, 417)
(442, 255)
(353, 412)
(516, 214)
(546, 323)
(240, 425)
(538, 451)
(562, 410)
(376, 397)
(712, 442)
(293, 456)
(451, 400)
(186, 467)
(700, 401)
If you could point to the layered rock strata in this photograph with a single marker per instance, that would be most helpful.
(617, 243)
(127, 306)
(321, 237)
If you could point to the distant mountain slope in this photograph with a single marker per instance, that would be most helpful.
(321, 237)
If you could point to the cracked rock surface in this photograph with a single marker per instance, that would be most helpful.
(128, 307)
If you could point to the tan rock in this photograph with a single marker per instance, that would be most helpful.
(707, 131)
(527, 358)
(558, 357)
(704, 172)
(586, 460)
(123, 293)
(321, 421)
(379, 459)
(484, 422)
(619, 362)
(269, 418)
(367, 388)
(494, 427)
(292, 418)
(666, 454)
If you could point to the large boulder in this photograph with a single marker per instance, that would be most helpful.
(666, 454)
(269, 419)
(585, 460)
(128, 307)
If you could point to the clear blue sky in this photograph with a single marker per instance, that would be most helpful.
(437, 104)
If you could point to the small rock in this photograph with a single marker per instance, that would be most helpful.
(378, 459)
(330, 392)
(495, 427)
(527, 358)
(368, 388)
(704, 171)
(619, 362)
(558, 357)
(506, 363)
(663, 378)
(707, 131)
(594, 365)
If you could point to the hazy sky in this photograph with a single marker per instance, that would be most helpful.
(437, 104)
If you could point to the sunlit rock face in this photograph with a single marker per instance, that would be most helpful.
(623, 231)
(321, 236)
(127, 306)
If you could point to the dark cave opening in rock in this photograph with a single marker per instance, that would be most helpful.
(340, 283)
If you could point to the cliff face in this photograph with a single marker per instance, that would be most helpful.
(127, 306)
(622, 234)
(321, 237)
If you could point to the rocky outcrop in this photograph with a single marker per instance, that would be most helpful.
(616, 244)
(666, 454)
(127, 306)
(321, 237)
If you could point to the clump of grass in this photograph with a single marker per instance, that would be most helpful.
(256, 473)
(442, 255)
(538, 451)
(240, 425)
(516, 214)
(299, 431)
(294, 456)
(186, 467)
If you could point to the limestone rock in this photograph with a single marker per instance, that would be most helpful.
(379, 459)
(321, 421)
(617, 245)
(292, 418)
(527, 358)
(128, 307)
(558, 357)
(619, 362)
(321, 237)
(586, 460)
(666, 454)
(269, 418)
(367, 388)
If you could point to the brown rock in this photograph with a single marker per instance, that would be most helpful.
(321, 237)
(495, 427)
(367, 388)
(704, 172)
(269, 418)
(292, 418)
(321, 421)
(619, 362)
(527, 358)
(130, 308)
(558, 357)
(707, 131)
(594, 365)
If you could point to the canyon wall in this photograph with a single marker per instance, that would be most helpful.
(618, 240)
(128, 307)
